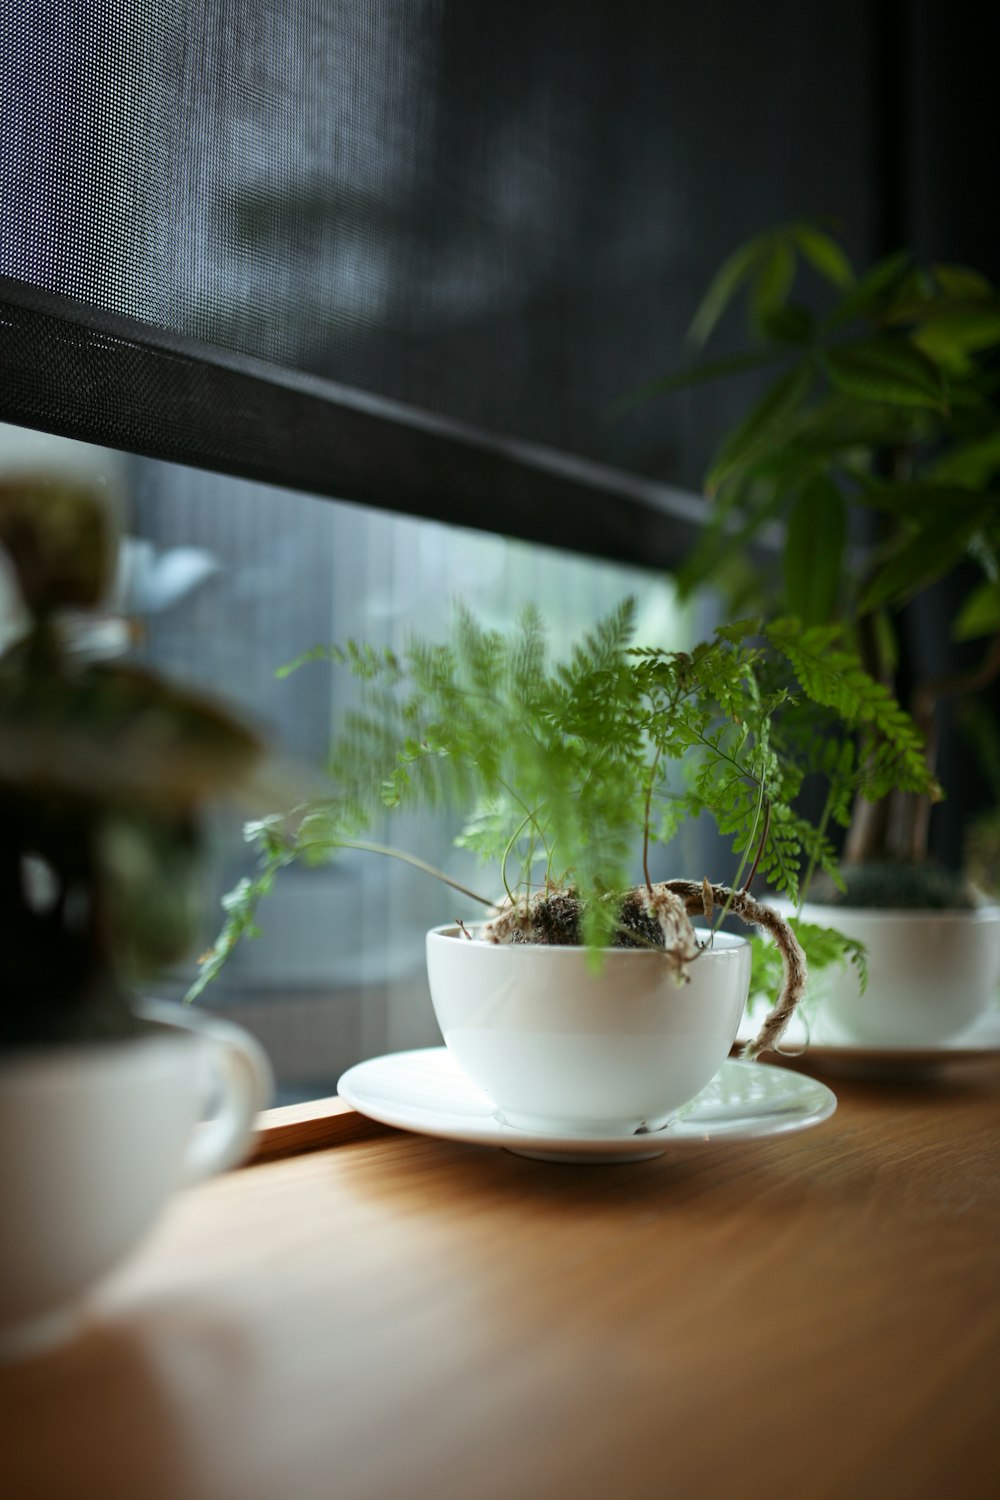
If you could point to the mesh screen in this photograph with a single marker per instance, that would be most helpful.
(498, 213)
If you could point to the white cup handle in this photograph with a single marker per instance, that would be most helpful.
(237, 1079)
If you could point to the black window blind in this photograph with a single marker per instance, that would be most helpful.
(410, 252)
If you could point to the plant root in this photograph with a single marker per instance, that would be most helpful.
(551, 918)
(793, 959)
(680, 941)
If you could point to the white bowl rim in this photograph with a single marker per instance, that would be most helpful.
(725, 943)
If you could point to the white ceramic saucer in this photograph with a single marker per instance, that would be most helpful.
(427, 1092)
(828, 1049)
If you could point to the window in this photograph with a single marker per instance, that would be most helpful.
(230, 579)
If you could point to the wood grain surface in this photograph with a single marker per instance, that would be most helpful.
(399, 1318)
(295, 1129)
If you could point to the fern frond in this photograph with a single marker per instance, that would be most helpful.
(832, 676)
(566, 772)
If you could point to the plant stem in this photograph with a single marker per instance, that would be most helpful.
(419, 864)
(529, 817)
(753, 835)
(820, 835)
(645, 821)
(745, 889)
(735, 889)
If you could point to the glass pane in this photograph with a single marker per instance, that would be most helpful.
(230, 580)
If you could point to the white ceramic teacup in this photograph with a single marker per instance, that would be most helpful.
(931, 974)
(94, 1138)
(569, 1050)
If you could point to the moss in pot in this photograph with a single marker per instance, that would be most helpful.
(569, 775)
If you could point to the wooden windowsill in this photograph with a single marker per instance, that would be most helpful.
(414, 1317)
(313, 1126)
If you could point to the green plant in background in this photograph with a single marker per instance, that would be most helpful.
(981, 845)
(879, 427)
(103, 771)
(566, 774)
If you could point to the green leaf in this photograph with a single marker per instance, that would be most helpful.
(824, 254)
(791, 324)
(737, 269)
(961, 281)
(873, 289)
(723, 546)
(970, 463)
(315, 653)
(772, 283)
(833, 676)
(954, 335)
(980, 614)
(887, 370)
(923, 557)
(927, 308)
(716, 369)
(738, 631)
(925, 502)
(886, 641)
(814, 552)
(825, 946)
(769, 417)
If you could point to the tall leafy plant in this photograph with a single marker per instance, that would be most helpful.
(875, 448)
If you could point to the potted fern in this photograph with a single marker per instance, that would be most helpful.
(876, 449)
(103, 769)
(586, 999)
